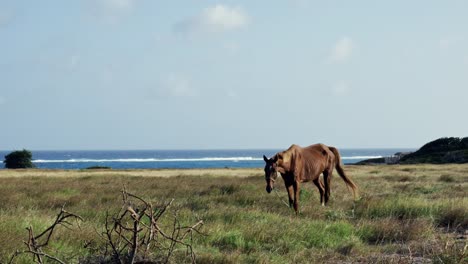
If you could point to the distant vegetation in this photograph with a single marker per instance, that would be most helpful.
(440, 151)
(98, 168)
(20, 159)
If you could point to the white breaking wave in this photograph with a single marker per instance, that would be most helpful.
(361, 157)
(233, 159)
(149, 160)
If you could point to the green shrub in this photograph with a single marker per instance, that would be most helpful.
(19, 160)
(390, 230)
(397, 207)
(446, 178)
(98, 168)
(321, 234)
(228, 189)
(454, 217)
(229, 241)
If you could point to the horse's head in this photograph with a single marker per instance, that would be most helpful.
(271, 173)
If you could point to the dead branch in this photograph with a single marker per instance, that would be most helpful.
(59, 220)
(35, 247)
(136, 231)
(132, 233)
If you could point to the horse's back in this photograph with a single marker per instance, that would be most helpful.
(318, 158)
(316, 155)
(317, 151)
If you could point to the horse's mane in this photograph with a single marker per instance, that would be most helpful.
(291, 159)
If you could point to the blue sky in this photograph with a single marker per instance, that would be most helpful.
(142, 74)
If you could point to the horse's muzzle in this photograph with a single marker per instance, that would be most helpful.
(268, 189)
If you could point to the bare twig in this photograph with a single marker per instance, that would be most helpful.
(133, 232)
(136, 232)
(35, 247)
(38, 253)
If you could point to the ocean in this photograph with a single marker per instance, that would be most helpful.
(176, 159)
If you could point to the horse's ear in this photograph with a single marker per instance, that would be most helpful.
(275, 158)
(265, 158)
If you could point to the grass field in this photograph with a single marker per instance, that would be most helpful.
(406, 214)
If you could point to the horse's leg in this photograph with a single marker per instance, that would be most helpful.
(327, 180)
(290, 190)
(319, 185)
(296, 188)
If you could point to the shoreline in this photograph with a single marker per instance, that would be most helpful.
(206, 172)
(162, 173)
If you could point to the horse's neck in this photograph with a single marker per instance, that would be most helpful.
(279, 174)
(288, 176)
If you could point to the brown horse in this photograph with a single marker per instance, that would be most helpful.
(297, 165)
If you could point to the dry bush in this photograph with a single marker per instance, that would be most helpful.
(134, 234)
(446, 178)
(453, 218)
(398, 178)
(390, 230)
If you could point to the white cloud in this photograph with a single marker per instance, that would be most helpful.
(5, 18)
(117, 4)
(223, 18)
(340, 88)
(219, 18)
(231, 94)
(445, 43)
(342, 50)
(110, 11)
(300, 3)
(177, 86)
(73, 61)
(231, 48)
(448, 42)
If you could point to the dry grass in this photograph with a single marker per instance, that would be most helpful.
(405, 213)
(163, 173)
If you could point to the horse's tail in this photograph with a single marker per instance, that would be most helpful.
(341, 172)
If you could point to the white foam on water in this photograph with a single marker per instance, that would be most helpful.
(234, 159)
(361, 157)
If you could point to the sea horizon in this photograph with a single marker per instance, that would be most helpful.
(179, 158)
(191, 149)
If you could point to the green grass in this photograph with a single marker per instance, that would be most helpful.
(446, 178)
(400, 207)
